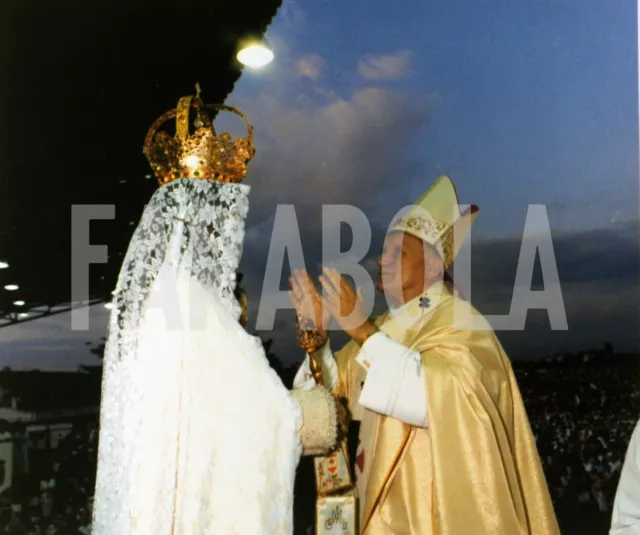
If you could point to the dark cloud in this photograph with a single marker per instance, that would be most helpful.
(582, 257)
(599, 277)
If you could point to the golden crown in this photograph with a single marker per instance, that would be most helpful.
(202, 154)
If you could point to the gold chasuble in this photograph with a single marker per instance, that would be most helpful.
(475, 470)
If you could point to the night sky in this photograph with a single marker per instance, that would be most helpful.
(368, 102)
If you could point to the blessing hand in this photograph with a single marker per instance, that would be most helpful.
(346, 305)
(308, 303)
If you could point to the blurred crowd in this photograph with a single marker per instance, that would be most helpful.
(582, 418)
(55, 497)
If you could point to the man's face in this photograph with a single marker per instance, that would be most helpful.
(403, 267)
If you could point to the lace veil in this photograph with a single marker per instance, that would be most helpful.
(198, 435)
(193, 225)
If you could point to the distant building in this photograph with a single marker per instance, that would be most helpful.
(38, 410)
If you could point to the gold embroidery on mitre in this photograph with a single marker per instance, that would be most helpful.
(447, 248)
(202, 154)
(431, 231)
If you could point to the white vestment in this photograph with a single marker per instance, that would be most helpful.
(198, 435)
(626, 508)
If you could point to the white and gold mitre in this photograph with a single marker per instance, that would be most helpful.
(437, 220)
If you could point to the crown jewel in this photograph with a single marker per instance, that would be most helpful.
(199, 155)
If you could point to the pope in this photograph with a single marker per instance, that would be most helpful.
(445, 446)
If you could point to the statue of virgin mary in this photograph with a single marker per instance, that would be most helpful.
(198, 435)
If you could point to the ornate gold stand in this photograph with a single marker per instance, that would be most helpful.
(336, 505)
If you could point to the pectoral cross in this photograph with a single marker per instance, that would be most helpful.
(424, 303)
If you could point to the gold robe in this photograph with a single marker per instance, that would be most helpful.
(475, 470)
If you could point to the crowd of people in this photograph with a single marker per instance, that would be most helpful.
(55, 496)
(582, 416)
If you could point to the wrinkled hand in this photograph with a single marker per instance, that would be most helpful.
(343, 416)
(346, 305)
(308, 303)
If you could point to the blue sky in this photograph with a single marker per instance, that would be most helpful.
(537, 100)
(520, 102)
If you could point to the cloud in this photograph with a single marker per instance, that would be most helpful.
(292, 15)
(598, 272)
(346, 151)
(350, 150)
(385, 67)
(327, 92)
(311, 67)
(594, 256)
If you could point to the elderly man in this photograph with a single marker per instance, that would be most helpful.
(445, 446)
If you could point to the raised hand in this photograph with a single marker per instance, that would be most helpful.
(308, 302)
(346, 305)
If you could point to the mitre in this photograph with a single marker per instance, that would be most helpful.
(436, 219)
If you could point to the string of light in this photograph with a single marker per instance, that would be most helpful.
(14, 288)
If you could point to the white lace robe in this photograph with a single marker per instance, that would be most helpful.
(198, 434)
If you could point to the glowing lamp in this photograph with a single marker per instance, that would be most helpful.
(255, 55)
